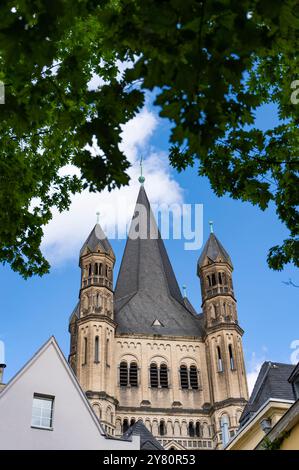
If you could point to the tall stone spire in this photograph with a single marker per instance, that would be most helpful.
(146, 287)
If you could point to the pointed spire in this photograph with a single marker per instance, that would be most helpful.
(141, 178)
(146, 288)
(213, 250)
(97, 240)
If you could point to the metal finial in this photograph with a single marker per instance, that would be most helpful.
(98, 217)
(141, 178)
(211, 226)
(184, 290)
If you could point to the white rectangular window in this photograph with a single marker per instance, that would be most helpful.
(42, 411)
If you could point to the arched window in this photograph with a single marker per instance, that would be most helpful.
(107, 352)
(133, 374)
(96, 350)
(97, 409)
(123, 374)
(89, 270)
(191, 431)
(219, 360)
(96, 269)
(162, 428)
(100, 269)
(132, 421)
(231, 357)
(224, 278)
(224, 309)
(184, 377)
(106, 270)
(163, 376)
(85, 351)
(198, 429)
(213, 280)
(193, 375)
(125, 425)
(154, 375)
(224, 424)
(220, 278)
(209, 281)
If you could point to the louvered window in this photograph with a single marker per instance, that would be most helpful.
(184, 377)
(123, 374)
(163, 376)
(154, 375)
(193, 377)
(133, 374)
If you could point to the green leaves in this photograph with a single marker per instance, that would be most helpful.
(212, 63)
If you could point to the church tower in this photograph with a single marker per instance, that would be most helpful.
(92, 326)
(223, 338)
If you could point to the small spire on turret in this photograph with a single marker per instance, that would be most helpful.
(141, 178)
(184, 291)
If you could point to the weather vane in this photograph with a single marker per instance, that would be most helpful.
(141, 178)
(98, 217)
(211, 226)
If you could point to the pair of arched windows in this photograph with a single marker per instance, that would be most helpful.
(98, 269)
(219, 358)
(217, 278)
(194, 429)
(189, 378)
(128, 374)
(127, 424)
(158, 376)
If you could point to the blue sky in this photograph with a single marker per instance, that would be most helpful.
(35, 309)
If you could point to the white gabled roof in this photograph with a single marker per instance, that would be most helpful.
(52, 343)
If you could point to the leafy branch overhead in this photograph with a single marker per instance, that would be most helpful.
(211, 64)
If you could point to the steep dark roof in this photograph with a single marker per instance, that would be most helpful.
(272, 382)
(213, 249)
(294, 374)
(147, 440)
(146, 288)
(96, 238)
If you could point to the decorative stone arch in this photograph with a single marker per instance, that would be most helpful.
(169, 428)
(148, 424)
(159, 359)
(129, 357)
(177, 429)
(184, 429)
(188, 361)
(155, 427)
(109, 414)
(97, 409)
(205, 430)
(118, 427)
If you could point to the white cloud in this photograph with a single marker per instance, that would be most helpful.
(254, 367)
(67, 231)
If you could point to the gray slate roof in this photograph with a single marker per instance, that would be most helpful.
(272, 382)
(213, 249)
(96, 238)
(147, 440)
(146, 288)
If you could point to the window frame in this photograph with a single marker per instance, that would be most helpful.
(47, 398)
